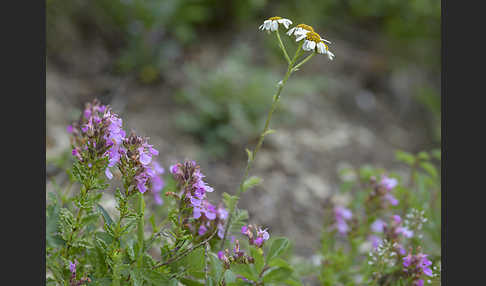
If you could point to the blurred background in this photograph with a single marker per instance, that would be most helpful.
(197, 77)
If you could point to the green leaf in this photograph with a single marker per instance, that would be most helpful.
(405, 157)
(155, 277)
(251, 182)
(189, 282)
(429, 168)
(240, 219)
(277, 274)
(423, 156)
(436, 154)
(193, 263)
(215, 265)
(130, 249)
(136, 277)
(278, 247)
(229, 200)
(269, 131)
(245, 270)
(250, 155)
(279, 262)
(257, 254)
(293, 281)
(105, 214)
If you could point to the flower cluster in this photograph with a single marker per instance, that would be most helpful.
(237, 257)
(193, 194)
(416, 266)
(392, 232)
(382, 191)
(271, 24)
(135, 157)
(73, 281)
(98, 134)
(385, 253)
(312, 40)
(415, 220)
(341, 216)
(256, 235)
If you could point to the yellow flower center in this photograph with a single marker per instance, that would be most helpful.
(306, 27)
(313, 36)
(275, 18)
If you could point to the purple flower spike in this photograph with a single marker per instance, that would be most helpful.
(378, 225)
(258, 241)
(202, 229)
(220, 255)
(244, 229)
(108, 174)
(72, 267)
(389, 183)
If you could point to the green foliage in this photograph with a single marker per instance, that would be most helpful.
(228, 104)
(347, 258)
(251, 182)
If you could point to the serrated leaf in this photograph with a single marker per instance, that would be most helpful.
(257, 254)
(106, 216)
(230, 201)
(251, 182)
(277, 274)
(239, 219)
(279, 246)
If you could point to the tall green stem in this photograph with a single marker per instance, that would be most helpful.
(283, 48)
(276, 99)
(140, 228)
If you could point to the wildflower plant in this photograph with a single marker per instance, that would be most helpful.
(204, 242)
(190, 245)
(385, 235)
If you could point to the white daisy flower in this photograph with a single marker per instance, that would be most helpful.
(271, 24)
(300, 30)
(314, 42)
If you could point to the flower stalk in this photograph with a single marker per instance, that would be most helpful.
(140, 228)
(290, 69)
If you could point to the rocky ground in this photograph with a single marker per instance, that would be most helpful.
(362, 117)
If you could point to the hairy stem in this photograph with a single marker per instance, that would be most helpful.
(283, 48)
(185, 253)
(276, 99)
(140, 228)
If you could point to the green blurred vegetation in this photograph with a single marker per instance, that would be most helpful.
(152, 40)
(137, 28)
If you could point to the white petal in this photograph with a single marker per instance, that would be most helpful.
(305, 46)
(267, 24)
(274, 26)
(330, 55)
(291, 31)
(312, 45)
(329, 42)
(285, 22)
(261, 27)
(300, 37)
(321, 49)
